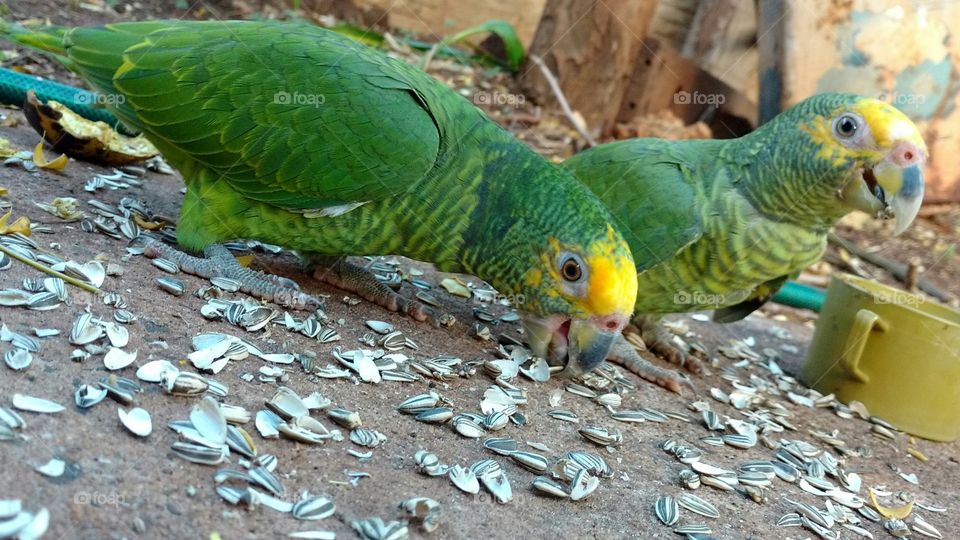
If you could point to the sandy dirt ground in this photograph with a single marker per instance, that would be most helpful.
(120, 486)
(114, 479)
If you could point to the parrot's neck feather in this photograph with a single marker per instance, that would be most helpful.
(785, 180)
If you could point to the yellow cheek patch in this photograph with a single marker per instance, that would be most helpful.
(613, 278)
(613, 286)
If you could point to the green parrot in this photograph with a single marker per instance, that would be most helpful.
(722, 224)
(294, 135)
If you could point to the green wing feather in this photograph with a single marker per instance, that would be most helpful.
(232, 100)
(649, 188)
(699, 240)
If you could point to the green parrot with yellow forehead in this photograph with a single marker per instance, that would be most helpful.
(294, 135)
(722, 224)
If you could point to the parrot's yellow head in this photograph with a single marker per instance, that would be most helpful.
(879, 150)
(596, 284)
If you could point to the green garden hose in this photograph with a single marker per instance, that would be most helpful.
(14, 87)
(797, 295)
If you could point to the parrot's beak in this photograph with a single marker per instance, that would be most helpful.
(580, 345)
(891, 189)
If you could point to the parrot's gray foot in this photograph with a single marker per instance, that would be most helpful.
(659, 341)
(352, 278)
(217, 261)
(623, 353)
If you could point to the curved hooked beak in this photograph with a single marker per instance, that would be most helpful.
(580, 345)
(891, 189)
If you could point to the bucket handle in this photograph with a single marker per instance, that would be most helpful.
(865, 322)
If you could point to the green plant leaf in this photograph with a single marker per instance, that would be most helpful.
(503, 30)
(369, 38)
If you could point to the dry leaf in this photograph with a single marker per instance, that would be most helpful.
(65, 208)
(21, 225)
(900, 512)
(456, 287)
(41, 161)
(6, 150)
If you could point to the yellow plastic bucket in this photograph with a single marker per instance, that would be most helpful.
(896, 352)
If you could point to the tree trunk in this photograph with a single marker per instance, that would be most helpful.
(592, 48)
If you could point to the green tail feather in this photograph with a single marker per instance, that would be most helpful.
(48, 39)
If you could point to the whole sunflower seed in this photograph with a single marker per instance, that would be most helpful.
(592, 463)
(531, 461)
(367, 437)
(667, 510)
(436, 415)
(653, 415)
(496, 420)
(812, 513)
(714, 440)
(629, 416)
(791, 519)
(166, 265)
(345, 418)
(501, 445)
(601, 435)
(698, 506)
(240, 441)
(171, 285)
(564, 415)
(687, 454)
(124, 316)
(715, 482)
(313, 508)
(751, 478)
(468, 427)
(740, 441)
(693, 529)
(198, 453)
(580, 390)
(223, 283)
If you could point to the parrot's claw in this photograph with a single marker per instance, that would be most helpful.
(217, 261)
(352, 278)
(626, 355)
(660, 342)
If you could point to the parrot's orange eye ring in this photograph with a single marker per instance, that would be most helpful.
(846, 126)
(571, 269)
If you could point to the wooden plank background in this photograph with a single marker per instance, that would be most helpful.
(902, 51)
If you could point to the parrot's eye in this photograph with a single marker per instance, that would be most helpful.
(846, 126)
(571, 269)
